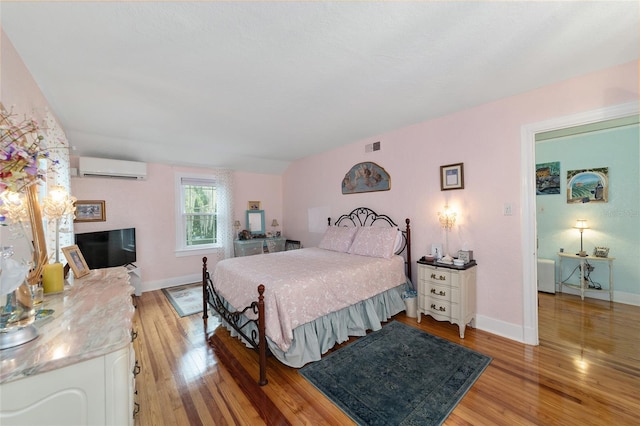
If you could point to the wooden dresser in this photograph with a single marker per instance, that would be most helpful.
(447, 292)
(80, 369)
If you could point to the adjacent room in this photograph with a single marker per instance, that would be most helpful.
(319, 212)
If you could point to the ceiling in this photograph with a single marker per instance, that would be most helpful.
(253, 86)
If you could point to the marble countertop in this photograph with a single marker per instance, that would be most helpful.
(92, 317)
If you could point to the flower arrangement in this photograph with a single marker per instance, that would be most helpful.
(21, 148)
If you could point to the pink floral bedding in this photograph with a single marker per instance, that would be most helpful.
(303, 285)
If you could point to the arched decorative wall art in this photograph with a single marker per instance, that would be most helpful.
(588, 186)
(366, 177)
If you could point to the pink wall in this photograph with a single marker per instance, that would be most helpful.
(149, 206)
(487, 139)
(259, 187)
(19, 91)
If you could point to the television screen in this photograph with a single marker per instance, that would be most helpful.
(105, 249)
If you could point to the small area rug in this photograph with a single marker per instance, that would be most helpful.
(397, 376)
(185, 299)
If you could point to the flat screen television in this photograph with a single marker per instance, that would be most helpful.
(105, 249)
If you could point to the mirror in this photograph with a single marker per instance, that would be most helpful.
(255, 222)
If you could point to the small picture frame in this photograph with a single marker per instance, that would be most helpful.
(76, 261)
(452, 176)
(254, 205)
(601, 251)
(90, 211)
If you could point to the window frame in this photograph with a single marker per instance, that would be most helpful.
(182, 249)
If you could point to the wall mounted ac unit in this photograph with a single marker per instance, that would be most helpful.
(103, 167)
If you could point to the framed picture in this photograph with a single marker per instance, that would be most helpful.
(76, 261)
(452, 177)
(588, 186)
(366, 177)
(90, 211)
(254, 205)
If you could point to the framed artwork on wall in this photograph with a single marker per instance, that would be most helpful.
(548, 178)
(366, 177)
(90, 211)
(254, 205)
(588, 186)
(452, 176)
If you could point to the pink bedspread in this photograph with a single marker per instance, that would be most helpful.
(303, 285)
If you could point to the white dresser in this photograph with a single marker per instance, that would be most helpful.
(447, 293)
(80, 369)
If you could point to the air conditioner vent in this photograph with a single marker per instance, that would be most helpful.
(104, 167)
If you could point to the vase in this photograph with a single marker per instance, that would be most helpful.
(17, 311)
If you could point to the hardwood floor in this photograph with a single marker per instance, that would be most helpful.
(586, 371)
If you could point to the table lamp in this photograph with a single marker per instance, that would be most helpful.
(581, 225)
(56, 205)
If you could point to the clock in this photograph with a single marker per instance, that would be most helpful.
(465, 255)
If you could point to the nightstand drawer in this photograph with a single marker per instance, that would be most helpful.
(440, 292)
(440, 276)
(442, 308)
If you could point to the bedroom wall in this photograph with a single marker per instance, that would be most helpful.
(149, 206)
(19, 91)
(487, 139)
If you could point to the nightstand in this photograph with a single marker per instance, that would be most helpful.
(447, 292)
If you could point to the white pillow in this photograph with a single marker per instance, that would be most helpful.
(374, 242)
(338, 238)
(398, 243)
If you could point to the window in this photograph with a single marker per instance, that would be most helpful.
(202, 213)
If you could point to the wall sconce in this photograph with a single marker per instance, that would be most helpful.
(447, 218)
(581, 225)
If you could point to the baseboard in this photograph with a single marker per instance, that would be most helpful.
(618, 296)
(170, 282)
(501, 328)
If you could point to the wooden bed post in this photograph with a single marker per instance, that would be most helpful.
(205, 310)
(262, 335)
(408, 248)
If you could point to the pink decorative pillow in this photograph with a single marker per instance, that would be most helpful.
(375, 242)
(338, 238)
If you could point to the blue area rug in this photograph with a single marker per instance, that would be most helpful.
(185, 299)
(397, 376)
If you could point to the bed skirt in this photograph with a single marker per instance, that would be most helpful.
(315, 338)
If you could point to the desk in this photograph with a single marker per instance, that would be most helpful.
(258, 246)
(583, 286)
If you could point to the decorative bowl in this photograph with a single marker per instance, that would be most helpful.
(458, 262)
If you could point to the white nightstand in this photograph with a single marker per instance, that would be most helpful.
(447, 293)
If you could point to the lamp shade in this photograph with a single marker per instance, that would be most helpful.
(581, 224)
(275, 223)
(237, 224)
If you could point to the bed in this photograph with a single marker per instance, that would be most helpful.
(298, 304)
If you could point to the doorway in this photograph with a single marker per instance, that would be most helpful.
(529, 220)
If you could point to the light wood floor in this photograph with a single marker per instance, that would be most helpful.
(586, 371)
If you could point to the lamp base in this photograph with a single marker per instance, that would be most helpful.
(582, 254)
(17, 337)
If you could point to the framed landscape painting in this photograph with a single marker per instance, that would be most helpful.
(588, 185)
(548, 178)
(90, 211)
